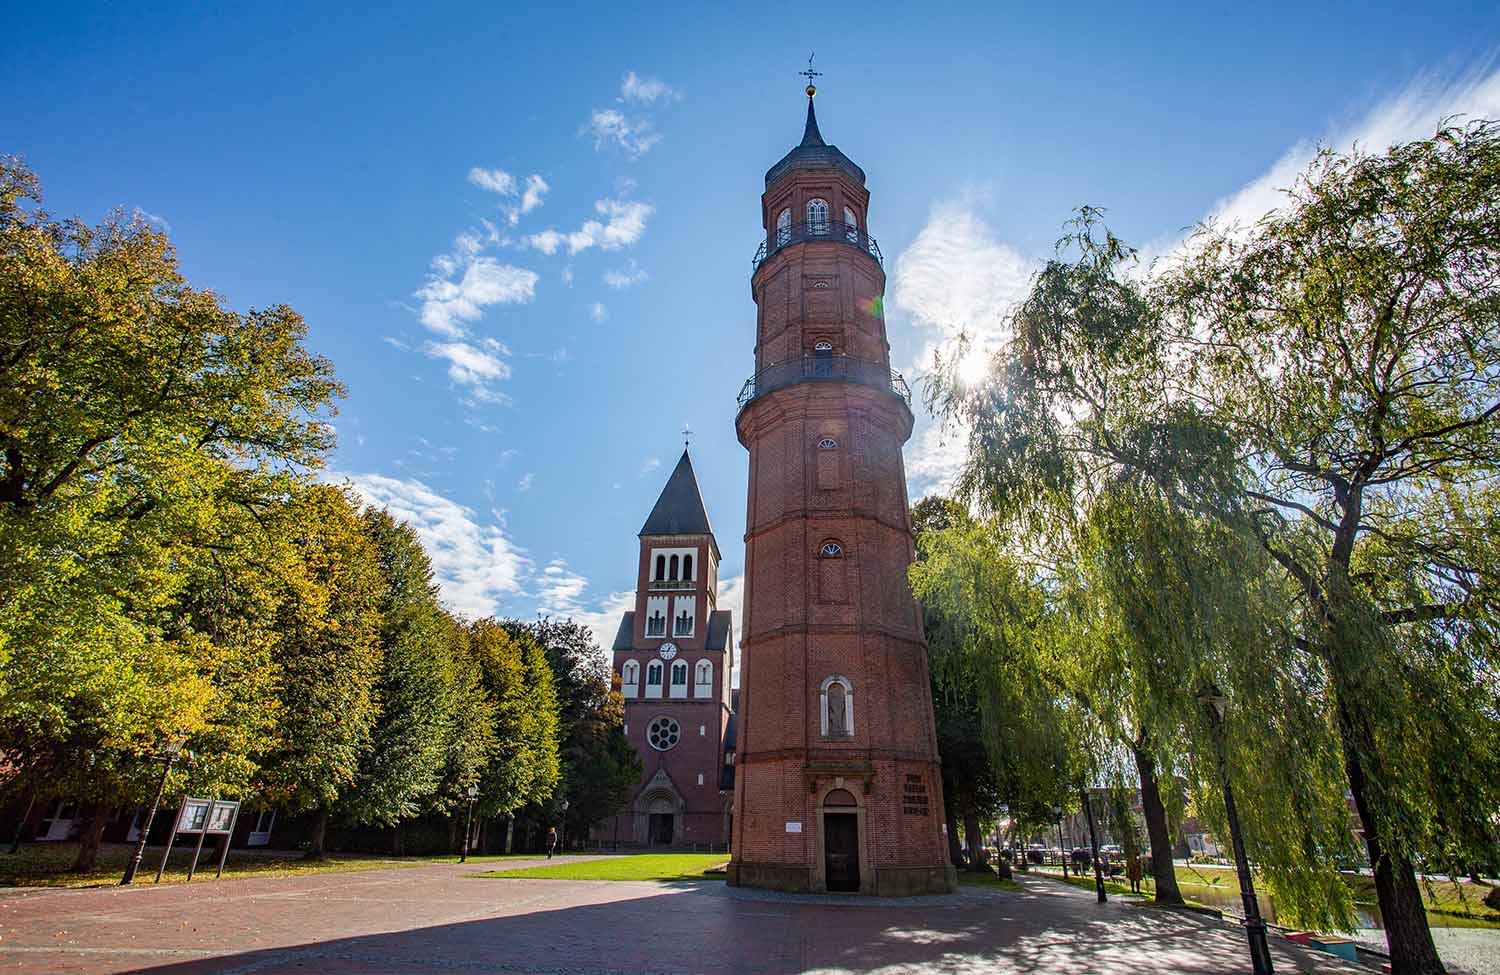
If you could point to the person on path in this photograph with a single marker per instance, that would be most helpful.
(1133, 871)
(551, 840)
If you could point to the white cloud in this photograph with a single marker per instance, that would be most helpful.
(146, 216)
(494, 180)
(651, 464)
(567, 275)
(524, 484)
(469, 365)
(531, 197)
(625, 225)
(624, 277)
(635, 135)
(448, 304)
(732, 598)
(1413, 113)
(598, 312)
(645, 91)
(476, 564)
(395, 343)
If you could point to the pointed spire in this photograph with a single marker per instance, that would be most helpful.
(679, 510)
(810, 135)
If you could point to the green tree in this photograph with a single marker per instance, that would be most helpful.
(328, 655)
(137, 416)
(1324, 381)
(524, 766)
(404, 766)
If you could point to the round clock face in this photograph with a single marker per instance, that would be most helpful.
(668, 650)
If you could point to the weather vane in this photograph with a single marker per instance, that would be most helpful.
(810, 74)
(687, 435)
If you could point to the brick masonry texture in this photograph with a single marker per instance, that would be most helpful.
(808, 617)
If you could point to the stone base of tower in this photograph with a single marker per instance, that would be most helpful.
(840, 821)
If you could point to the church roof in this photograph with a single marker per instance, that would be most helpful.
(625, 635)
(679, 510)
(717, 637)
(813, 153)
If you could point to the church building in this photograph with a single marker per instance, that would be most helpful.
(837, 781)
(673, 655)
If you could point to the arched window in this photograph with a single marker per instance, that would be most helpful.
(687, 567)
(831, 550)
(817, 216)
(661, 567)
(828, 443)
(672, 571)
(679, 678)
(656, 624)
(784, 227)
(653, 674)
(703, 679)
(630, 678)
(683, 625)
(836, 699)
(851, 226)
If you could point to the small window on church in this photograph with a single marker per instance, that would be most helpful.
(832, 550)
(672, 569)
(656, 624)
(851, 226)
(663, 733)
(784, 227)
(817, 217)
(630, 678)
(661, 568)
(823, 347)
(653, 674)
(679, 678)
(687, 567)
(837, 700)
(683, 625)
(828, 443)
(703, 679)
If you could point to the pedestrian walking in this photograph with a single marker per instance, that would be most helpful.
(1133, 871)
(551, 840)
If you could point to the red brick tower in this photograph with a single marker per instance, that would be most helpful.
(838, 784)
(672, 657)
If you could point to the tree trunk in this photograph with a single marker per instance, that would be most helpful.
(90, 838)
(955, 851)
(398, 840)
(510, 832)
(317, 835)
(1163, 872)
(976, 842)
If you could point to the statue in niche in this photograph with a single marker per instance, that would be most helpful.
(838, 710)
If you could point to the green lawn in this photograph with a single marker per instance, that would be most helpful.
(46, 864)
(640, 866)
(967, 879)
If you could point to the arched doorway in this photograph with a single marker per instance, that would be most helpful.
(661, 821)
(841, 841)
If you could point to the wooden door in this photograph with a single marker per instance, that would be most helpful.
(841, 850)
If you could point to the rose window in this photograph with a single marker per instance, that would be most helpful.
(663, 733)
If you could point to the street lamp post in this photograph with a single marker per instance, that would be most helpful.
(471, 794)
(168, 758)
(1062, 854)
(1214, 705)
(562, 834)
(1094, 847)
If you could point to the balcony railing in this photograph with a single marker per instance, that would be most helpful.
(838, 233)
(671, 584)
(824, 368)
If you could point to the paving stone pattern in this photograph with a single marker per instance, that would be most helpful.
(435, 919)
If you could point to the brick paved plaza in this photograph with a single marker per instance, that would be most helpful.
(434, 919)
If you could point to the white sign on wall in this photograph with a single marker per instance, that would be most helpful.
(794, 827)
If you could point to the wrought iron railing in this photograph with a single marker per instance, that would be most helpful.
(671, 584)
(824, 368)
(838, 233)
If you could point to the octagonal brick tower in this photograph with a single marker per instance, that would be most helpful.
(838, 784)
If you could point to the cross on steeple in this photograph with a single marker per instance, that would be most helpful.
(810, 74)
(687, 435)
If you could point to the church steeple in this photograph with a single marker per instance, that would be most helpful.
(813, 152)
(810, 134)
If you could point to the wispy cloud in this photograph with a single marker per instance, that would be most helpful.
(527, 479)
(610, 127)
(624, 223)
(461, 285)
(146, 216)
(624, 277)
(503, 183)
(645, 91)
(598, 312)
(651, 464)
(476, 563)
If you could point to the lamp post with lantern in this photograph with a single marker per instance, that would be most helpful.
(472, 794)
(170, 753)
(1061, 853)
(1214, 705)
(562, 834)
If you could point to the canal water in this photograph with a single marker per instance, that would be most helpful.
(1227, 899)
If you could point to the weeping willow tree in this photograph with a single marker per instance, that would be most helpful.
(1325, 383)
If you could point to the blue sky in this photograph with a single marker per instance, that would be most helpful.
(524, 233)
